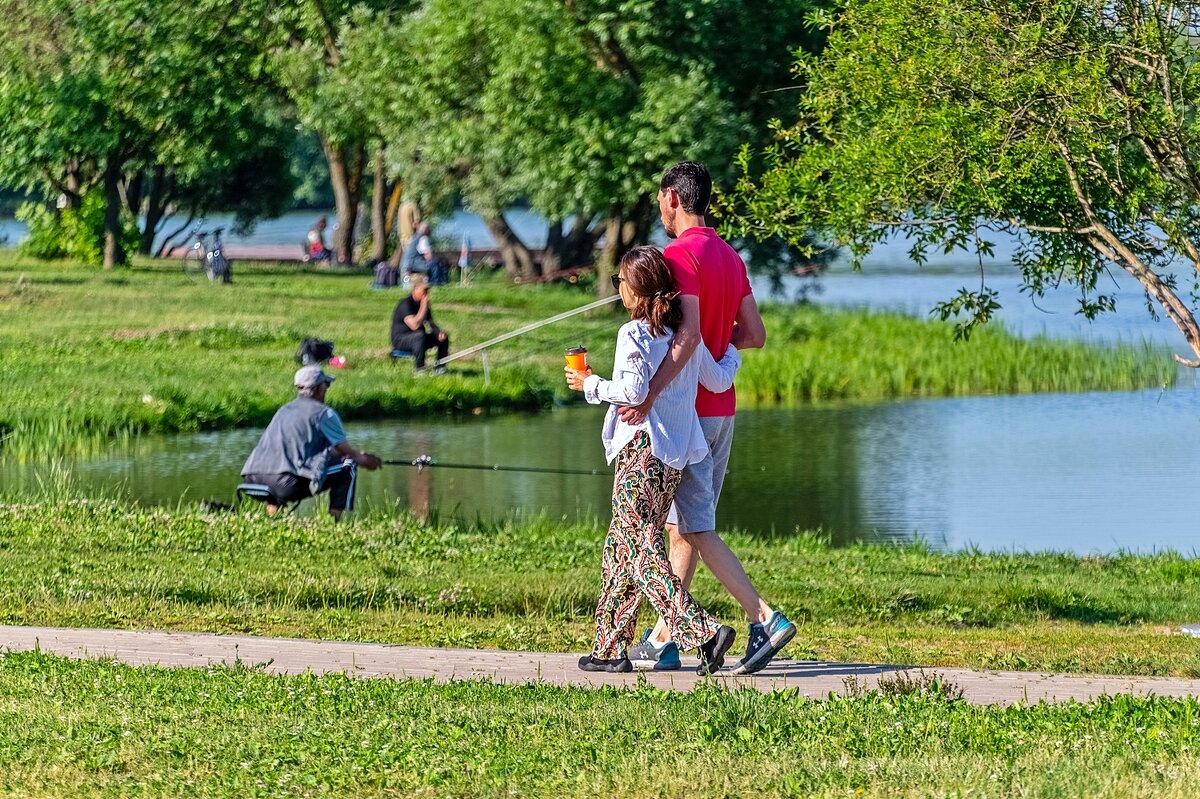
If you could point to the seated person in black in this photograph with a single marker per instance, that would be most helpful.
(304, 450)
(413, 328)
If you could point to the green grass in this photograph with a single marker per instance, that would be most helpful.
(100, 729)
(533, 585)
(91, 357)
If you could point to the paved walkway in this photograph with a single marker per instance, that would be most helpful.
(296, 656)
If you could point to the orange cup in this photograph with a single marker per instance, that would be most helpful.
(577, 358)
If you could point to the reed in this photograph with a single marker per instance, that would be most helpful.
(89, 358)
(816, 355)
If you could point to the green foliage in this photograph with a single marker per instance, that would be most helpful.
(575, 106)
(98, 94)
(75, 233)
(1071, 127)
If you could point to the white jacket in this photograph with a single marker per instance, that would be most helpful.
(676, 438)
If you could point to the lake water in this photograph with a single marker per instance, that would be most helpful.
(1079, 472)
(1094, 472)
(291, 228)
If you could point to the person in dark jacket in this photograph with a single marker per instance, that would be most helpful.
(413, 328)
(304, 450)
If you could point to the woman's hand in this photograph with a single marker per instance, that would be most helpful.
(575, 377)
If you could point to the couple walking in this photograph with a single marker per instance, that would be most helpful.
(669, 429)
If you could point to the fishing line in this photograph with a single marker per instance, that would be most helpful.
(423, 461)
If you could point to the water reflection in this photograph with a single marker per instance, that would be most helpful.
(1080, 472)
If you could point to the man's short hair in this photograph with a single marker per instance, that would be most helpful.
(692, 183)
(415, 281)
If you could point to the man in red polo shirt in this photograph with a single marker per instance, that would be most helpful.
(718, 309)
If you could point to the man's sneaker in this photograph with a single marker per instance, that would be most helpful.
(647, 655)
(618, 665)
(765, 642)
(712, 651)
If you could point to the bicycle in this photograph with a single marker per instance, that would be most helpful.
(209, 261)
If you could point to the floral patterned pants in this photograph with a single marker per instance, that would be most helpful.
(635, 558)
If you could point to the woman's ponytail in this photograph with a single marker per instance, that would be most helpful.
(649, 279)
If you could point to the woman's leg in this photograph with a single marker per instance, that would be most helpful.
(689, 624)
(617, 591)
(616, 610)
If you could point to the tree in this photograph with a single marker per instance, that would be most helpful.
(318, 74)
(575, 106)
(131, 98)
(1072, 126)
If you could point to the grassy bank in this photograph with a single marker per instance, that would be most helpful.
(101, 729)
(533, 586)
(89, 357)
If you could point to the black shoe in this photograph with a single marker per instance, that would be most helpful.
(618, 665)
(712, 651)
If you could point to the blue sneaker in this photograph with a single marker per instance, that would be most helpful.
(647, 656)
(765, 642)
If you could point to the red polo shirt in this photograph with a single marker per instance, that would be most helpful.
(706, 267)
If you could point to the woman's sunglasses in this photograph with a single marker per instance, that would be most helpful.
(616, 281)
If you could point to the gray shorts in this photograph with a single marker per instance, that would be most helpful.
(695, 506)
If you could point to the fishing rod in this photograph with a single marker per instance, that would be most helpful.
(423, 461)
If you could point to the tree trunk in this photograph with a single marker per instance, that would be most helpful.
(610, 255)
(379, 191)
(134, 186)
(156, 207)
(74, 192)
(518, 260)
(637, 229)
(114, 252)
(168, 242)
(552, 256)
(579, 249)
(576, 248)
(346, 166)
(393, 207)
(621, 234)
(393, 212)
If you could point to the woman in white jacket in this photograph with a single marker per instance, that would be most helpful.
(649, 459)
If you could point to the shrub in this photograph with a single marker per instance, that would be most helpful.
(73, 232)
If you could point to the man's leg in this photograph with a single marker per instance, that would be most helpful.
(340, 480)
(414, 342)
(283, 488)
(694, 513)
(728, 570)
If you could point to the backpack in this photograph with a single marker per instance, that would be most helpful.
(313, 351)
(385, 274)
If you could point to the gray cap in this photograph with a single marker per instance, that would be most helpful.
(311, 377)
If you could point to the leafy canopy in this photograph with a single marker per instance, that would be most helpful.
(574, 105)
(1072, 125)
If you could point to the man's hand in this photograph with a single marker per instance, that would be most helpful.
(441, 336)
(368, 460)
(635, 414)
(575, 377)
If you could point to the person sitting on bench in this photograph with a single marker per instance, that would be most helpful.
(304, 450)
(413, 328)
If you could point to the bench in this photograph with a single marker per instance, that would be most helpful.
(259, 493)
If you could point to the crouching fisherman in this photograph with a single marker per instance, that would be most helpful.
(304, 450)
